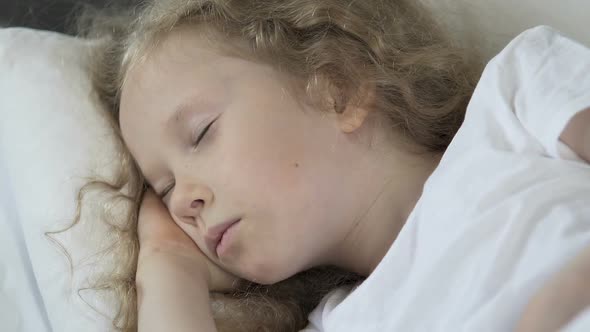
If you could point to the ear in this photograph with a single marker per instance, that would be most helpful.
(352, 118)
(353, 115)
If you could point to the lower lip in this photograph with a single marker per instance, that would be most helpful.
(226, 240)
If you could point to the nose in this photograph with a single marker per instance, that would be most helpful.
(189, 201)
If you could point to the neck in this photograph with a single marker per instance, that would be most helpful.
(388, 204)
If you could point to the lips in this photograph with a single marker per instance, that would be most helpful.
(214, 235)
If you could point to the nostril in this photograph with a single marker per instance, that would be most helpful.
(190, 221)
(196, 203)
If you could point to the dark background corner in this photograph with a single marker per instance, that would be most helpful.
(54, 15)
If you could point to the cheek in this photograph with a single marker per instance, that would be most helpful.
(284, 186)
(286, 229)
(260, 165)
(270, 188)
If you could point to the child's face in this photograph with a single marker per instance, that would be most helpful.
(285, 170)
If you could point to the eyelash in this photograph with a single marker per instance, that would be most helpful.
(197, 141)
(203, 133)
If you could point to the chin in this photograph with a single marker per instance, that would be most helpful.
(266, 274)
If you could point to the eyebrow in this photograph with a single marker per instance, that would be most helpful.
(179, 113)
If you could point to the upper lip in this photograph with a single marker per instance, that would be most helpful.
(215, 233)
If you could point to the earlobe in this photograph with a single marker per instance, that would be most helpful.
(353, 113)
(352, 118)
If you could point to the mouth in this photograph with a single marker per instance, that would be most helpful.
(218, 238)
(226, 239)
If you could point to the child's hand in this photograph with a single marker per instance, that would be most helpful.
(163, 242)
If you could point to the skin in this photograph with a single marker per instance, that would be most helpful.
(577, 134)
(311, 187)
(173, 277)
(560, 299)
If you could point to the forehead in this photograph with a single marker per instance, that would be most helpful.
(183, 63)
(175, 59)
(182, 66)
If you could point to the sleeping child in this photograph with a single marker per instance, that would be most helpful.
(338, 165)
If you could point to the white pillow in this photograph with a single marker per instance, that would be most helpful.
(51, 137)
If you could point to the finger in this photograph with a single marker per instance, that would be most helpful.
(151, 205)
(221, 280)
(154, 220)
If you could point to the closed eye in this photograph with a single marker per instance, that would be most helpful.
(197, 141)
(166, 191)
(203, 133)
